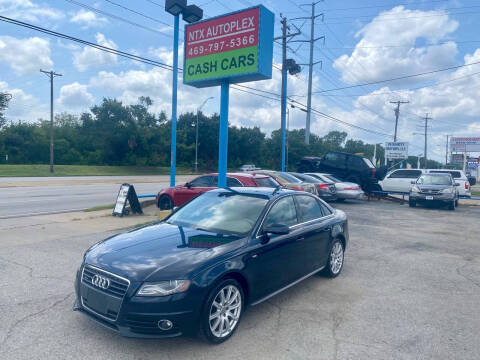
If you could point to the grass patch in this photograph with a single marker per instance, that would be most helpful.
(86, 170)
(100, 207)
(475, 193)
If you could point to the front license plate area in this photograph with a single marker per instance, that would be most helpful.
(428, 197)
(100, 302)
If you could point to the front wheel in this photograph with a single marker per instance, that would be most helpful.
(222, 311)
(452, 206)
(335, 260)
(165, 202)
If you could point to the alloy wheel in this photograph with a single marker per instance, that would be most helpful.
(336, 258)
(225, 311)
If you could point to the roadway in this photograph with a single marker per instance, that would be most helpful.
(28, 196)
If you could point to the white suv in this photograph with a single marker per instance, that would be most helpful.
(459, 177)
(400, 179)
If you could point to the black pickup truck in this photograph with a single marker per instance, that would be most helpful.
(348, 167)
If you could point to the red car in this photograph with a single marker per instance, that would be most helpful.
(180, 194)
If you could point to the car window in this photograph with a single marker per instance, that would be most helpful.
(283, 212)
(333, 178)
(335, 160)
(289, 178)
(232, 182)
(325, 210)
(220, 212)
(430, 179)
(406, 174)
(266, 182)
(355, 163)
(309, 208)
(202, 181)
(307, 178)
(369, 163)
(455, 174)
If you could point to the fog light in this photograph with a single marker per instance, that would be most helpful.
(165, 325)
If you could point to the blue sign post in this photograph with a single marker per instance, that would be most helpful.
(173, 149)
(231, 48)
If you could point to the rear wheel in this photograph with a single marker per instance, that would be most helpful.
(222, 311)
(412, 203)
(165, 202)
(456, 203)
(335, 260)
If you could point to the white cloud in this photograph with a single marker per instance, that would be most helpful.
(25, 56)
(87, 19)
(29, 11)
(370, 61)
(90, 57)
(75, 96)
(23, 106)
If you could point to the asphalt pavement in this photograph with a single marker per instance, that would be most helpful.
(410, 289)
(45, 195)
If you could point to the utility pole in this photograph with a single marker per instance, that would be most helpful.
(51, 75)
(425, 149)
(446, 152)
(293, 68)
(311, 63)
(397, 114)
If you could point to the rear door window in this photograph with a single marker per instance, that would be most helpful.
(309, 208)
(405, 174)
(356, 163)
(266, 182)
(232, 182)
(283, 212)
(335, 160)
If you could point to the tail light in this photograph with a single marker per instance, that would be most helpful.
(466, 185)
(374, 171)
(322, 186)
(352, 188)
(298, 188)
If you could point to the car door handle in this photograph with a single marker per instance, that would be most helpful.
(300, 238)
(328, 228)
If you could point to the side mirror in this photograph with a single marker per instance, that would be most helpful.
(188, 185)
(278, 229)
(175, 208)
(457, 184)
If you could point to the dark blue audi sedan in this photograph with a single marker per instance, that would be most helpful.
(199, 269)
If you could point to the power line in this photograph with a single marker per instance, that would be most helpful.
(104, 13)
(87, 43)
(402, 46)
(139, 13)
(386, 5)
(402, 77)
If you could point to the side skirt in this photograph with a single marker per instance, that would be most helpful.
(286, 287)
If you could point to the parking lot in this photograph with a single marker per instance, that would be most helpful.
(410, 289)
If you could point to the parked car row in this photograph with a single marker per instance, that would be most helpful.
(326, 186)
(400, 180)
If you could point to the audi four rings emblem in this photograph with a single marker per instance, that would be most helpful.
(101, 282)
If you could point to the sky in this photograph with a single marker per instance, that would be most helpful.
(365, 42)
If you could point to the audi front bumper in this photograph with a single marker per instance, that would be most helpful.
(139, 316)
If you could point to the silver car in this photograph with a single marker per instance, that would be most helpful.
(345, 190)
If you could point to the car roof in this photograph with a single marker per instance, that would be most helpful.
(235, 175)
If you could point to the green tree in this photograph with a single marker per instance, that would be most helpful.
(4, 99)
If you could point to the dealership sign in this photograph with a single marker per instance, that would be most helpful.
(465, 144)
(396, 150)
(236, 47)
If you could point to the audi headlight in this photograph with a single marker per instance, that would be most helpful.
(415, 188)
(163, 288)
(447, 190)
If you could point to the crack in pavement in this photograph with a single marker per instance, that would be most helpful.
(29, 316)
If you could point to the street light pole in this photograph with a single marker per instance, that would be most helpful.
(196, 132)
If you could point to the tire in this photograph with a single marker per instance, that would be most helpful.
(456, 203)
(210, 330)
(412, 203)
(374, 187)
(335, 260)
(452, 206)
(165, 202)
